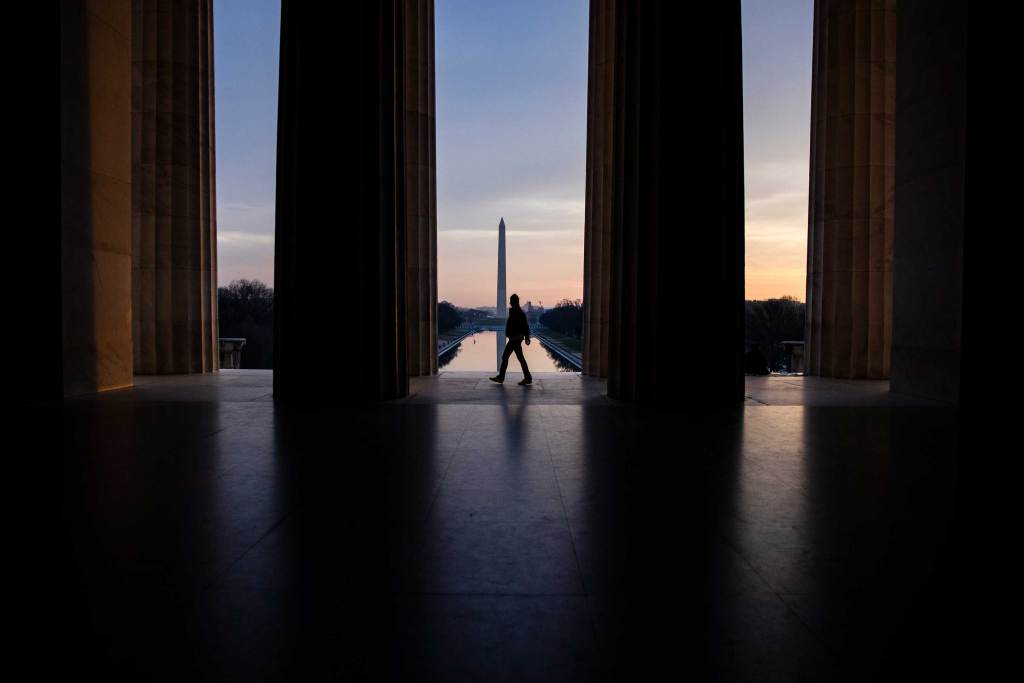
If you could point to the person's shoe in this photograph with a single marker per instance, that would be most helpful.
(497, 379)
(526, 381)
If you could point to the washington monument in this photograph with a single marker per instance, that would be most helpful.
(501, 310)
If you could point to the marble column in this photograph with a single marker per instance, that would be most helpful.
(174, 234)
(95, 237)
(851, 214)
(931, 200)
(676, 248)
(420, 188)
(341, 223)
(598, 217)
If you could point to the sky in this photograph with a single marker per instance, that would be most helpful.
(246, 35)
(776, 140)
(511, 99)
(511, 96)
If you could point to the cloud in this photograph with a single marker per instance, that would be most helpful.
(242, 206)
(240, 238)
(236, 216)
(787, 171)
(463, 233)
(775, 266)
(776, 228)
(781, 215)
(538, 206)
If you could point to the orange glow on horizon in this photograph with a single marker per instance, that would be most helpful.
(548, 266)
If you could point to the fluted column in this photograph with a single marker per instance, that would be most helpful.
(174, 246)
(851, 197)
(598, 218)
(929, 297)
(676, 248)
(420, 188)
(93, 246)
(341, 221)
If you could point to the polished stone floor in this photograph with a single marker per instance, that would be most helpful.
(476, 532)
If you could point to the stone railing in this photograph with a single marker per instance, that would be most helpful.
(446, 345)
(231, 352)
(794, 351)
(565, 353)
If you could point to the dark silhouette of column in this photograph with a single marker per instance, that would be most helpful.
(340, 257)
(851, 199)
(89, 294)
(174, 232)
(420, 188)
(931, 199)
(676, 248)
(598, 220)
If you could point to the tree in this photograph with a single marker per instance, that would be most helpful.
(448, 317)
(246, 309)
(772, 321)
(566, 317)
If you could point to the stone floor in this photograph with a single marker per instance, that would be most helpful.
(476, 532)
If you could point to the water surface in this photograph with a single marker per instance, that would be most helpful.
(482, 351)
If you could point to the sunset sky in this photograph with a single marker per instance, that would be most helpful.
(511, 141)
(776, 139)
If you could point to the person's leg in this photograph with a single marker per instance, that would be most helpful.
(504, 359)
(522, 361)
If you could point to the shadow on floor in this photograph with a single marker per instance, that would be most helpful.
(210, 534)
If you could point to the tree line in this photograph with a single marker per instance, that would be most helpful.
(770, 322)
(448, 317)
(246, 309)
(565, 318)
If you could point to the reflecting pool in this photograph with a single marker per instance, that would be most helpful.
(482, 351)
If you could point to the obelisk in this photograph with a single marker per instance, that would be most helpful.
(501, 310)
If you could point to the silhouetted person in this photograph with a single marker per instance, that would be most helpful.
(517, 328)
(755, 362)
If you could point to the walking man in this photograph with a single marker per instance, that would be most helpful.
(516, 330)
